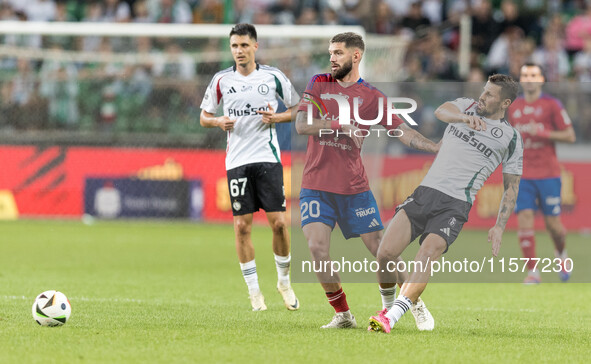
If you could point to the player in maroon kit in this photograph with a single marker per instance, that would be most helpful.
(335, 188)
(542, 121)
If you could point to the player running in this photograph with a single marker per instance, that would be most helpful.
(542, 121)
(335, 188)
(249, 93)
(476, 141)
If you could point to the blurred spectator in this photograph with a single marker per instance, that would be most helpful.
(116, 11)
(262, 17)
(384, 22)
(173, 11)
(93, 14)
(283, 12)
(497, 59)
(552, 57)
(21, 40)
(23, 84)
(511, 17)
(174, 64)
(441, 66)
(578, 29)
(309, 16)
(484, 28)
(61, 12)
(329, 16)
(582, 62)
(303, 68)
(243, 12)
(140, 74)
(40, 10)
(519, 52)
(415, 20)
(6, 11)
(399, 8)
(26, 108)
(413, 70)
(357, 12)
(209, 12)
(141, 13)
(59, 84)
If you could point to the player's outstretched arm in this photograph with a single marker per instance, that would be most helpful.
(511, 184)
(449, 113)
(416, 140)
(209, 120)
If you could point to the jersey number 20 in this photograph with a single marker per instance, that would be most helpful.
(313, 208)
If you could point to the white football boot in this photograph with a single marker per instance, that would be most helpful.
(258, 302)
(341, 320)
(289, 298)
(423, 318)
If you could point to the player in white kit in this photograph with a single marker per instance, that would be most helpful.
(477, 140)
(249, 92)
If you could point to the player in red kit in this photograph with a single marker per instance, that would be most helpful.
(335, 188)
(542, 121)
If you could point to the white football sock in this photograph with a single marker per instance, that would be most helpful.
(282, 264)
(399, 308)
(388, 296)
(249, 271)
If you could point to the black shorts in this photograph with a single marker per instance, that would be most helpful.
(255, 186)
(433, 212)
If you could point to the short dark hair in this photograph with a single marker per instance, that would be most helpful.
(533, 64)
(244, 29)
(508, 85)
(350, 39)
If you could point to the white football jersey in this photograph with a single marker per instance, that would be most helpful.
(251, 141)
(468, 157)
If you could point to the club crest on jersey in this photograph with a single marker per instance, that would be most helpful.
(263, 89)
(496, 132)
(236, 206)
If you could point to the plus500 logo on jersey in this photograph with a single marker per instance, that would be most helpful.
(345, 109)
(468, 138)
(248, 110)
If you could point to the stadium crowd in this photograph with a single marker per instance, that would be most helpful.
(159, 95)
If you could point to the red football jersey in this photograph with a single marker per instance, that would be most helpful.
(333, 163)
(539, 155)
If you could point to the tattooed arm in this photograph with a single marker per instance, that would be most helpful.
(416, 140)
(302, 126)
(511, 184)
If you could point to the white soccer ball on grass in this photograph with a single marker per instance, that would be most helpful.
(51, 308)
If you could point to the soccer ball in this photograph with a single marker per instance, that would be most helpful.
(51, 308)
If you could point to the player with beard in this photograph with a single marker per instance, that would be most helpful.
(335, 188)
(476, 141)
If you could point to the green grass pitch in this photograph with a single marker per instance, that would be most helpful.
(173, 292)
